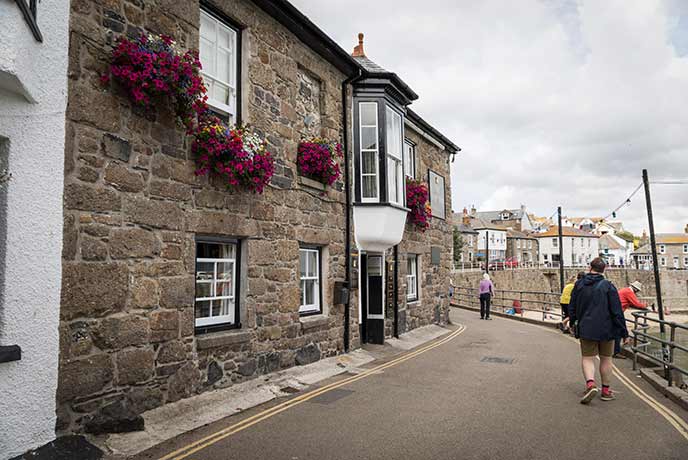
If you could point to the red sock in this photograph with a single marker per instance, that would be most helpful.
(606, 390)
(590, 383)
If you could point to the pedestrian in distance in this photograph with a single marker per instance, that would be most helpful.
(628, 299)
(486, 291)
(597, 319)
(565, 300)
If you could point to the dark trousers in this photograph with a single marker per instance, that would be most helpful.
(617, 346)
(485, 305)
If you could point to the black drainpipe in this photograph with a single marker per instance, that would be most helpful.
(347, 208)
(396, 291)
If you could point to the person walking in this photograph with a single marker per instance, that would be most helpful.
(597, 319)
(564, 301)
(486, 291)
(628, 298)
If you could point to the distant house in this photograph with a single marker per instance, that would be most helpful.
(603, 228)
(540, 224)
(615, 250)
(579, 247)
(493, 235)
(672, 252)
(521, 246)
(515, 218)
(587, 224)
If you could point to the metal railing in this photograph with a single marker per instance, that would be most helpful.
(546, 303)
(642, 340)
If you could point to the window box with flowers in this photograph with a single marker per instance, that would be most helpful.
(417, 201)
(151, 68)
(318, 162)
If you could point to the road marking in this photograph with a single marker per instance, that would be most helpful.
(209, 440)
(676, 421)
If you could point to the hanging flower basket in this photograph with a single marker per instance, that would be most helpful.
(417, 202)
(237, 155)
(151, 67)
(318, 159)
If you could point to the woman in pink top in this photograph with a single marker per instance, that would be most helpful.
(486, 291)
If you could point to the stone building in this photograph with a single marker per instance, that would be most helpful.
(33, 100)
(518, 219)
(462, 223)
(672, 252)
(522, 247)
(172, 285)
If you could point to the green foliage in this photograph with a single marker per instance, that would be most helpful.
(627, 236)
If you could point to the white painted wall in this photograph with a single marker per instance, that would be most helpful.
(32, 123)
(575, 251)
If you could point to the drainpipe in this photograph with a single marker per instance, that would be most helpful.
(347, 192)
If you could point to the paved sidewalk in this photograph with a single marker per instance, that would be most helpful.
(500, 390)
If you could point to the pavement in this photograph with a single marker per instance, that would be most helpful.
(499, 389)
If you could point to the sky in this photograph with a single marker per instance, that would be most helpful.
(553, 102)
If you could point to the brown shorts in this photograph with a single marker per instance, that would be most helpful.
(594, 348)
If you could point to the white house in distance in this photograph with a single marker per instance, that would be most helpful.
(579, 248)
(616, 251)
(497, 239)
(518, 219)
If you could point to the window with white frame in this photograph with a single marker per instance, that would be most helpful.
(368, 125)
(662, 261)
(395, 172)
(676, 262)
(310, 274)
(410, 159)
(412, 277)
(219, 55)
(216, 283)
(555, 242)
(518, 244)
(662, 249)
(685, 262)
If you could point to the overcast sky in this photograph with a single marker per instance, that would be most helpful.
(554, 102)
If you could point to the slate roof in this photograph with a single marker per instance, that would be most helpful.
(497, 215)
(521, 235)
(463, 228)
(482, 224)
(374, 69)
(663, 238)
(609, 242)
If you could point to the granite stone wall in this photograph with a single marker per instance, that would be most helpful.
(133, 208)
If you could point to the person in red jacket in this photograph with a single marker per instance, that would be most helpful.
(628, 298)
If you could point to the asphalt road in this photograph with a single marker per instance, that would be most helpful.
(500, 390)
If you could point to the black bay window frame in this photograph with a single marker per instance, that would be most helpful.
(383, 197)
(200, 330)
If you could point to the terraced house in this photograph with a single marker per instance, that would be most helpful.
(173, 283)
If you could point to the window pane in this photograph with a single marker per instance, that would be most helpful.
(216, 307)
(392, 180)
(223, 66)
(207, 26)
(302, 263)
(203, 290)
(207, 52)
(369, 160)
(203, 309)
(224, 37)
(224, 289)
(310, 291)
(369, 187)
(312, 263)
(221, 93)
(204, 271)
(368, 138)
(393, 124)
(225, 306)
(368, 113)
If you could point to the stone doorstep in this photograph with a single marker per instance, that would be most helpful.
(674, 393)
(171, 420)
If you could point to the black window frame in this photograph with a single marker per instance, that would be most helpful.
(220, 15)
(410, 171)
(200, 330)
(319, 249)
(382, 104)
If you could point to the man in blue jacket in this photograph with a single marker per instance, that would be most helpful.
(597, 319)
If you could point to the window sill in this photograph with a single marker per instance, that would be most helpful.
(313, 321)
(222, 339)
(413, 302)
(311, 183)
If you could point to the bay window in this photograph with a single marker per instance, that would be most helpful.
(216, 299)
(219, 54)
(395, 170)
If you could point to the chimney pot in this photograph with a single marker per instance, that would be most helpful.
(358, 50)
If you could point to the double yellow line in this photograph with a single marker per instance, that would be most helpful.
(201, 444)
(676, 421)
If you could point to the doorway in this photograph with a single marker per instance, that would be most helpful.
(372, 298)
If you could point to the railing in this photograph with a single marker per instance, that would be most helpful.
(642, 340)
(546, 303)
